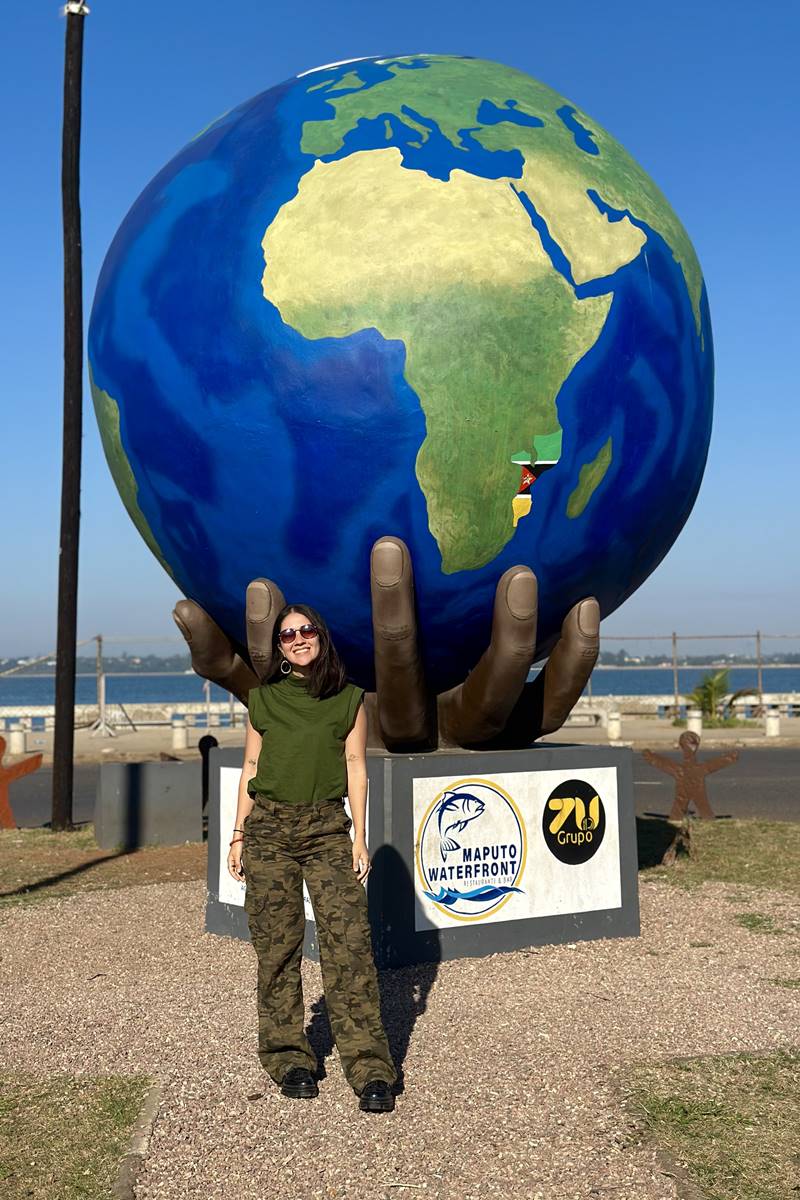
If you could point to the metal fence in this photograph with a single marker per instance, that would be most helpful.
(674, 642)
(676, 639)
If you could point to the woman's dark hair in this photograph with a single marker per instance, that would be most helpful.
(327, 675)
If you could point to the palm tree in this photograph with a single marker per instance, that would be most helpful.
(710, 693)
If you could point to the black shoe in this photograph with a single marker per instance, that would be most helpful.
(299, 1084)
(376, 1096)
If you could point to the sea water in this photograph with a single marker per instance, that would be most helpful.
(23, 690)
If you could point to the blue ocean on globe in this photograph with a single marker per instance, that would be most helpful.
(422, 296)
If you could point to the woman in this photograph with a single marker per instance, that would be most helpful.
(305, 749)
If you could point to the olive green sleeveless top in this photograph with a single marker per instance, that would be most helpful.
(302, 747)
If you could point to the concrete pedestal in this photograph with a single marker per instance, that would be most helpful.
(473, 853)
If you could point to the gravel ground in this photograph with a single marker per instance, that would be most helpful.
(512, 1064)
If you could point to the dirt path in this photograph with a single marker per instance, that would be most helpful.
(514, 1070)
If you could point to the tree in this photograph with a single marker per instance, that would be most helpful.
(709, 695)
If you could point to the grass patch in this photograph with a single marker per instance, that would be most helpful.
(757, 922)
(748, 853)
(729, 1121)
(785, 983)
(62, 1137)
(719, 722)
(37, 864)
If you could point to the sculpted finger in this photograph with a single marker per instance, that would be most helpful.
(547, 702)
(213, 654)
(478, 709)
(567, 671)
(405, 713)
(375, 740)
(264, 602)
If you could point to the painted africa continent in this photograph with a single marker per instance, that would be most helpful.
(456, 272)
(480, 272)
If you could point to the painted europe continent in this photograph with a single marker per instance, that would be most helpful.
(456, 271)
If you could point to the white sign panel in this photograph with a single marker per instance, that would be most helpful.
(230, 890)
(515, 845)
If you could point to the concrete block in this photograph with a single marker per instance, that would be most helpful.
(150, 803)
(16, 738)
(180, 739)
(694, 721)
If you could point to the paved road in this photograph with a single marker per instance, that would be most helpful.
(31, 796)
(763, 783)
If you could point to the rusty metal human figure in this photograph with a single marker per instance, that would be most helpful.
(7, 776)
(690, 776)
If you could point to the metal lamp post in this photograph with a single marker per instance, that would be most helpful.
(63, 749)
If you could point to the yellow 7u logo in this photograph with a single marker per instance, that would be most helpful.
(564, 806)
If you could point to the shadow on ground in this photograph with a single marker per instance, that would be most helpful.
(654, 836)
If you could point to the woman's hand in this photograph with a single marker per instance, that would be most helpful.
(361, 862)
(235, 862)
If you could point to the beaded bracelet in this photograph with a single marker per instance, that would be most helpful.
(235, 840)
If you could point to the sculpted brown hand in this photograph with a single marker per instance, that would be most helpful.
(494, 708)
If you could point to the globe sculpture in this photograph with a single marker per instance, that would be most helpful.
(422, 296)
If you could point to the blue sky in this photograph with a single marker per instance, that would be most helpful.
(703, 95)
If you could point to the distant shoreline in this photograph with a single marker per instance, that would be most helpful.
(118, 667)
(176, 687)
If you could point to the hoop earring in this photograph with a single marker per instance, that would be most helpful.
(286, 667)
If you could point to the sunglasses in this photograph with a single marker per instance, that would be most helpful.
(307, 632)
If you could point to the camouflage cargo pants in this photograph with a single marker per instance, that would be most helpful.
(284, 844)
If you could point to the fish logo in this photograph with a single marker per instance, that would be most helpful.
(467, 871)
(455, 811)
